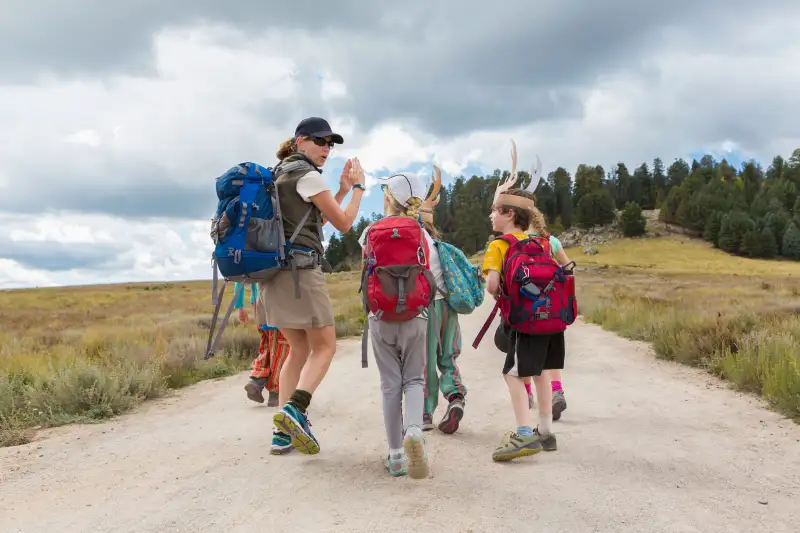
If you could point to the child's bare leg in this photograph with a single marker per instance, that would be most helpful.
(519, 400)
(544, 395)
(523, 441)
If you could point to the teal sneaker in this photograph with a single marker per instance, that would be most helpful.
(294, 423)
(281, 443)
(397, 464)
(414, 446)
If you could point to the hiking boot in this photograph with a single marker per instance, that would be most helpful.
(559, 404)
(254, 388)
(273, 399)
(397, 464)
(514, 446)
(293, 422)
(281, 443)
(414, 446)
(453, 415)
(427, 422)
(547, 441)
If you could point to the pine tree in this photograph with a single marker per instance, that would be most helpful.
(596, 209)
(734, 225)
(769, 246)
(631, 220)
(713, 226)
(791, 242)
(751, 244)
(796, 211)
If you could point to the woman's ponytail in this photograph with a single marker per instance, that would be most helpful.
(287, 148)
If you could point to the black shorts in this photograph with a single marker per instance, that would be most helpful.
(534, 353)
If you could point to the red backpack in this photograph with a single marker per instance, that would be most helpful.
(537, 295)
(396, 281)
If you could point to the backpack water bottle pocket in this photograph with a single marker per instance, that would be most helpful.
(263, 235)
(570, 311)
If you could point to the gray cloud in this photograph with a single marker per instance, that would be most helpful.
(450, 66)
(57, 256)
(128, 189)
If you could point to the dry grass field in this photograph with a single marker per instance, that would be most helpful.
(738, 318)
(88, 353)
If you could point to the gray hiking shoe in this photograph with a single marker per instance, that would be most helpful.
(547, 441)
(273, 399)
(514, 446)
(427, 422)
(559, 404)
(452, 417)
(254, 389)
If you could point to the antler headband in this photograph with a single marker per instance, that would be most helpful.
(426, 210)
(500, 196)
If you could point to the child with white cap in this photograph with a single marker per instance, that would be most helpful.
(399, 285)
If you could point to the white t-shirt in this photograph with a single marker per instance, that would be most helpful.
(311, 184)
(436, 265)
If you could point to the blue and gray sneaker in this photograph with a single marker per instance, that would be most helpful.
(281, 443)
(397, 464)
(294, 423)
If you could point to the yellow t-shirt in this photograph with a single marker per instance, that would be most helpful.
(496, 252)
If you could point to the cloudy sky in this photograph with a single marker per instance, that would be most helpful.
(114, 121)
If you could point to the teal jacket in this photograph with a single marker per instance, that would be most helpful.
(253, 298)
(240, 300)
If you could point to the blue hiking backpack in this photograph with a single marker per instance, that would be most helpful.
(247, 230)
(465, 282)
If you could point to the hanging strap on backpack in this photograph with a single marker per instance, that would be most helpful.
(212, 345)
(486, 325)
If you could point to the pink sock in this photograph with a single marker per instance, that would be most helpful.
(528, 388)
(556, 386)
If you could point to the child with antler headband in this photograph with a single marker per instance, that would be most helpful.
(514, 214)
(444, 341)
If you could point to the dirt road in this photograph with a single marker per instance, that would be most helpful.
(644, 446)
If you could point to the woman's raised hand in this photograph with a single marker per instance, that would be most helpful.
(356, 173)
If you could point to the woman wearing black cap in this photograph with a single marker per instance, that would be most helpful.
(307, 322)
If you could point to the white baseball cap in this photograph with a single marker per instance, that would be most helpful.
(404, 187)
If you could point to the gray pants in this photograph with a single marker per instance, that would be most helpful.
(400, 353)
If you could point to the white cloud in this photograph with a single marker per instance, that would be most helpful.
(143, 251)
(15, 276)
(87, 137)
(332, 87)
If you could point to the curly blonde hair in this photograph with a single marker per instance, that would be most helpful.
(397, 209)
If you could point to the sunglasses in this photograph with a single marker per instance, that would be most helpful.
(319, 141)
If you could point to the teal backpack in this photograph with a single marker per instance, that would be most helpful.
(465, 282)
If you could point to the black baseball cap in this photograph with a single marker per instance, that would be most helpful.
(317, 127)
